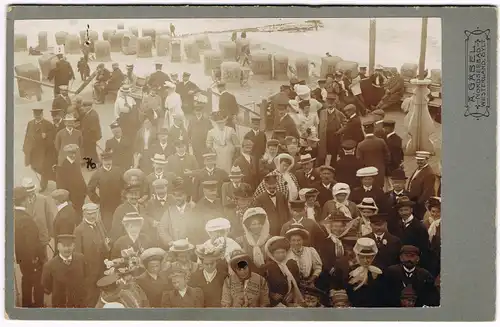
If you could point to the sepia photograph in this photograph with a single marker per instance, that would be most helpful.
(227, 163)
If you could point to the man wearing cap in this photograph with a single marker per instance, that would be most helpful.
(130, 77)
(395, 145)
(408, 274)
(62, 74)
(105, 188)
(228, 106)
(274, 203)
(38, 147)
(161, 145)
(325, 184)
(373, 152)
(134, 239)
(331, 121)
(120, 147)
(242, 199)
(91, 241)
(352, 129)
(66, 217)
(91, 131)
(62, 100)
(368, 189)
(183, 164)
(307, 176)
(159, 172)
(228, 188)
(247, 163)
(157, 79)
(66, 292)
(112, 292)
(159, 200)
(198, 128)
(67, 136)
(398, 182)
(388, 245)
(30, 253)
(348, 164)
(132, 193)
(266, 163)
(102, 77)
(152, 282)
(208, 172)
(258, 137)
(377, 116)
(283, 120)
(187, 90)
(421, 183)
(57, 116)
(412, 231)
(69, 177)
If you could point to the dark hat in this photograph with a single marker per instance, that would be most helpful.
(314, 291)
(65, 238)
(337, 216)
(409, 249)
(56, 112)
(294, 80)
(114, 124)
(281, 99)
(255, 119)
(87, 103)
(404, 201)
(162, 131)
(398, 174)
(349, 144)
(368, 123)
(291, 139)
(218, 116)
(329, 75)
(389, 123)
(272, 142)
(244, 191)
(349, 241)
(297, 205)
(279, 132)
(378, 218)
(107, 155)
(132, 188)
(276, 243)
(20, 193)
(199, 106)
(304, 103)
(297, 229)
(285, 87)
(37, 111)
(106, 281)
(152, 254)
(350, 106)
(158, 65)
(325, 167)
(321, 81)
(433, 201)
(239, 259)
(178, 185)
(210, 184)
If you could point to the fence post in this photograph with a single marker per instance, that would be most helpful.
(263, 115)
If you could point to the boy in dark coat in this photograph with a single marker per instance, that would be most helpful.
(64, 275)
(408, 274)
(198, 128)
(247, 163)
(395, 145)
(29, 251)
(348, 164)
(259, 139)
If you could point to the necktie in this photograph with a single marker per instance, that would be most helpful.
(162, 202)
(67, 262)
(379, 240)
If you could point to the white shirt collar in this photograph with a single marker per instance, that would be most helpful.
(70, 130)
(369, 134)
(352, 116)
(399, 193)
(70, 160)
(326, 185)
(152, 276)
(409, 270)
(391, 133)
(210, 170)
(163, 146)
(408, 220)
(107, 169)
(367, 188)
(182, 292)
(118, 139)
(68, 258)
(209, 277)
(246, 156)
(20, 208)
(211, 201)
(161, 199)
(62, 205)
(379, 237)
(182, 208)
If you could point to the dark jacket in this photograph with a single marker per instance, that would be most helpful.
(277, 214)
(122, 152)
(395, 145)
(288, 125)
(388, 250)
(27, 246)
(277, 281)
(228, 105)
(259, 142)
(212, 291)
(373, 151)
(192, 299)
(65, 221)
(416, 234)
(153, 288)
(353, 130)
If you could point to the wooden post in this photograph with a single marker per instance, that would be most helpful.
(263, 115)
(423, 49)
(373, 38)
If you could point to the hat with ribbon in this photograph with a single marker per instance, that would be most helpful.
(404, 201)
(181, 245)
(217, 224)
(367, 172)
(297, 229)
(152, 254)
(306, 158)
(28, 184)
(160, 159)
(236, 172)
(365, 246)
(368, 203)
(209, 251)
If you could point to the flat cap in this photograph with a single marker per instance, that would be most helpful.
(90, 207)
(210, 184)
(378, 112)
(107, 280)
(159, 182)
(325, 167)
(132, 217)
(410, 249)
(389, 123)
(71, 148)
(367, 171)
(37, 111)
(348, 144)
(368, 123)
(255, 119)
(60, 194)
(114, 124)
(273, 142)
(152, 254)
(107, 155)
(65, 238)
(210, 155)
(297, 204)
(331, 96)
(20, 193)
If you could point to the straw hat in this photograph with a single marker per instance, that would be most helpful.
(181, 245)
(365, 246)
(368, 203)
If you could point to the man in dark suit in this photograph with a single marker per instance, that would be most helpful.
(228, 106)
(69, 177)
(398, 182)
(348, 164)
(157, 79)
(408, 274)
(91, 131)
(388, 245)
(198, 128)
(187, 91)
(368, 189)
(325, 184)
(274, 203)
(352, 130)
(421, 183)
(120, 146)
(307, 176)
(66, 217)
(395, 145)
(62, 100)
(29, 251)
(247, 164)
(373, 152)
(57, 115)
(161, 145)
(378, 126)
(283, 120)
(209, 172)
(412, 231)
(259, 138)
(61, 74)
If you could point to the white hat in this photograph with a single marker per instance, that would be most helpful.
(368, 203)
(90, 207)
(302, 90)
(28, 184)
(367, 171)
(379, 67)
(169, 85)
(113, 305)
(366, 246)
(251, 212)
(341, 188)
(422, 155)
(63, 87)
(217, 224)
(159, 159)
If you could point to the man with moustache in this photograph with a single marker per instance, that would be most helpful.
(208, 173)
(120, 147)
(352, 130)
(131, 204)
(183, 165)
(259, 139)
(347, 165)
(388, 245)
(398, 182)
(331, 121)
(421, 184)
(408, 274)
(307, 176)
(198, 128)
(57, 119)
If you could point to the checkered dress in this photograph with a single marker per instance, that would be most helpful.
(281, 185)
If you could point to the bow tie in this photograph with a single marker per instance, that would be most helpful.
(162, 202)
(378, 239)
(272, 195)
(67, 261)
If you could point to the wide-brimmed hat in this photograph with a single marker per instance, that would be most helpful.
(367, 172)
(368, 203)
(217, 224)
(208, 251)
(176, 269)
(307, 192)
(28, 184)
(365, 246)
(341, 188)
(236, 172)
(336, 216)
(71, 148)
(125, 89)
(238, 256)
(152, 254)
(69, 117)
(277, 242)
(181, 245)
(423, 155)
(379, 67)
(434, 201)
(325, 167)
(404, 201)
(306, 158)
(244, 191)
(398, 175)
(297, 229)
(160, 159)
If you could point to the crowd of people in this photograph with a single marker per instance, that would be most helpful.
(179, 212)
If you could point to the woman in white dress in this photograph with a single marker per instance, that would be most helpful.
(173, 105)
(223, 141)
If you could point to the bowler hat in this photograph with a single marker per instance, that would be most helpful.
(404, 201)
